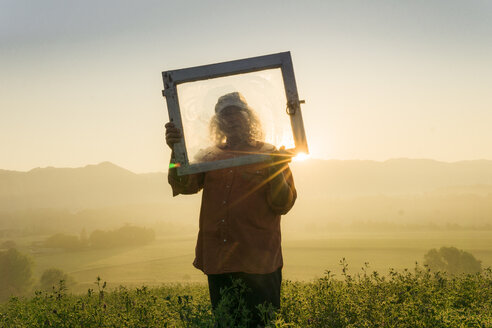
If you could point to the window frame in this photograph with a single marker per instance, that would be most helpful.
(173, 78)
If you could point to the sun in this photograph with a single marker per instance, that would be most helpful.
(300, 157)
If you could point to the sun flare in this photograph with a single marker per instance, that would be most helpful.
(300, 157)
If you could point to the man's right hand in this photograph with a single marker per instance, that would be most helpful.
(173, 134)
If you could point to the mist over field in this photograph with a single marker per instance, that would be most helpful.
(392, 226)
(389, 214)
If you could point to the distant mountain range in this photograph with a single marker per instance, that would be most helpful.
(342, 178)
(106, 184)
(92, 186)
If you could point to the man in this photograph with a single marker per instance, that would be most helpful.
(239, 230)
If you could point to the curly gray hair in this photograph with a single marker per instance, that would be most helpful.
(254, 133)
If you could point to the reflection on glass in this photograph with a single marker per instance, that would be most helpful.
(252, 108)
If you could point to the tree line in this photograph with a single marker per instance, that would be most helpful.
(16, 275)
(16, 269)
(99, 239)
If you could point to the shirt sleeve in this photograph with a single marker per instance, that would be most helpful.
(286, 203)
(185, 184)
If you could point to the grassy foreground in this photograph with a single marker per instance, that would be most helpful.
(416, 298)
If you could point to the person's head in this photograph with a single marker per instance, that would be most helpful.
(234, 120)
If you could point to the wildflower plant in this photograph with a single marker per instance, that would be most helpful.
(410, 298)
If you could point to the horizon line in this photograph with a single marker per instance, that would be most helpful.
(296, 163)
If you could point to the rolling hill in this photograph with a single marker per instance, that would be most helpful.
(329, 191)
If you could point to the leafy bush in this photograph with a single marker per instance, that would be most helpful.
(8, 244)
(124, 236)
(417, 298)
(452, 261)
(67, 242)
(52, 278)
(15, 273)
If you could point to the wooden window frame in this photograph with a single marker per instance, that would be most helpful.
(173, 78)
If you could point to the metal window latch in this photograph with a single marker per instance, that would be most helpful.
(167, 92)
(292, 107)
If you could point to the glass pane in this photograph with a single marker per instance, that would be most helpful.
(264, 93)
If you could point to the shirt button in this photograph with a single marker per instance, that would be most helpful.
(225, 240)
(223, 220)
(223, 202)
(230, 171)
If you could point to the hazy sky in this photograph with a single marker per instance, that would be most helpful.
(80, 81)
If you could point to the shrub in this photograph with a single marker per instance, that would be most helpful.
(452, 261)
(124, 236)
(8, 244)
(408, 299)
(66, 242)
(51, 278)
(15, 273)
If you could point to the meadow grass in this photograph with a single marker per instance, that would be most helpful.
(169, 259)
(412, 298)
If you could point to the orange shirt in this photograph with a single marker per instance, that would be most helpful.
(239, 229)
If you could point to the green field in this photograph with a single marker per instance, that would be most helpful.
(305, 259)
(168, 259)
(413, 299)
